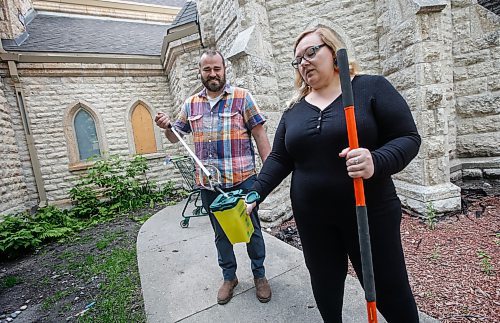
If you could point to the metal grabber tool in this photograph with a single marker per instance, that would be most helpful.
(213, 176)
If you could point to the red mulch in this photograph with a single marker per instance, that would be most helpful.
(447, 275)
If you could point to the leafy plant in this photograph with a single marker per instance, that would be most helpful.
(142, 219)
(111, 187)
(22, 232)
(431, 216)
(486, 266)
(436, 254)
(121, 186)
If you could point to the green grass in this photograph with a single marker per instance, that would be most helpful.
(108, 239)
(66, 255)
(142, 219)
(44, 282)
(9, 281)
(121, 283)
(49, 302)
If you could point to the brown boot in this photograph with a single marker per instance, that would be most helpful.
(226, 291)
(262, 289)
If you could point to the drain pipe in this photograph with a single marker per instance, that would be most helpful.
(35, 163)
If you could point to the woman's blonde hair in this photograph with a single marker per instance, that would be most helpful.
(333, 42)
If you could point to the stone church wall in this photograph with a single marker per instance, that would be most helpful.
(13, 191)
(354, 20)
(441, 55)
(476, 57)
(50, 90)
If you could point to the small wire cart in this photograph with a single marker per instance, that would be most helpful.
(186, 166)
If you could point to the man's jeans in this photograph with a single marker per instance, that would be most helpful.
(255, 248)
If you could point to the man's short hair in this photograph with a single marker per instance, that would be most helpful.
(213, 52)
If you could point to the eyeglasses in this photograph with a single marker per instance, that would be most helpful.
(309, 54)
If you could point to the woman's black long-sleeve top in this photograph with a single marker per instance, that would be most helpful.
(307, 142)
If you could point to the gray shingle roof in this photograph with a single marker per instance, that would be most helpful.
(187, 14)
(492, 5)
(170, 3)
(49, 33)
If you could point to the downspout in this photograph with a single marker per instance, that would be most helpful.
(35, 163)
(199, 29)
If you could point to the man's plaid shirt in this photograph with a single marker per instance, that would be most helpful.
(222, 134)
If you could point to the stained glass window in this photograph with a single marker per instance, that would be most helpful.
(86, 135)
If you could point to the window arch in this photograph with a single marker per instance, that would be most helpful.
(143, 130)
(86, 135)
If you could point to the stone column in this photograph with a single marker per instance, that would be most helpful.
(253, 67)
(206, 22)
(416, 55)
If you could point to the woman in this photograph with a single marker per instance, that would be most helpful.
(310, 143)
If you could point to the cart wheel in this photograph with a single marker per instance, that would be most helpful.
(184, 223)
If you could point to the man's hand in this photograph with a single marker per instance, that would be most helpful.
(162, 120)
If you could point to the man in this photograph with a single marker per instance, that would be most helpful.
(221, 118)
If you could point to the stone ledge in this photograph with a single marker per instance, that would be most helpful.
(443, 197)
(474, 163)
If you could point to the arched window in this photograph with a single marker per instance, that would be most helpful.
(86, 135)
(143, 130)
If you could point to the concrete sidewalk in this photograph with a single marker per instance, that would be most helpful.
(180, 278)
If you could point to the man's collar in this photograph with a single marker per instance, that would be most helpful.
(227, 89)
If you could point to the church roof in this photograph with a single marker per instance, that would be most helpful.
(67, 34)
(187, 14)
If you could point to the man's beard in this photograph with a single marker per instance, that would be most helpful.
(213, 87)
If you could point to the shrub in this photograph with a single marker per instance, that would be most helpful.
(111, 187)
(21, 232)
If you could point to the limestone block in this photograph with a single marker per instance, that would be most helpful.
(471, 86)
(472, 174)
(494, 82)
(436, 171)
(478, 125)
(411, 96)
(402, 37)
(433, 97)
(413, 173)
(404, 79)
(480, 69)
(460, 73)
(434, 146)
(456, 176)
(462, 3)
(478, 105)
(277, 206)
(430, 27)
(392, 64)
(478, 145)
(431, 123)
(444, 197)
(492, 173)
